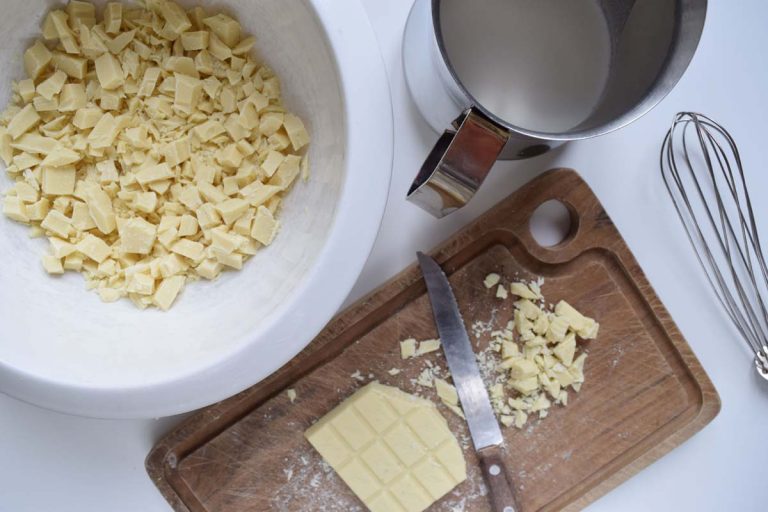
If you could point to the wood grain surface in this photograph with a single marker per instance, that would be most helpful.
(645, 391)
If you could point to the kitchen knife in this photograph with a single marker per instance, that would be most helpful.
(483, 427)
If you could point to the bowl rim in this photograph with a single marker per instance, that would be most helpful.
(356, 223)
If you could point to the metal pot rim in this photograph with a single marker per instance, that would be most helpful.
(689, 26)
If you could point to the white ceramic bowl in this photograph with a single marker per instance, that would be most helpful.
(63, 349)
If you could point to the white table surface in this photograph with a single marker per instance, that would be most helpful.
(50, 461)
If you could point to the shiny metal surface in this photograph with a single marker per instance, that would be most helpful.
(458, 164)
(703, 173)
(640, 77)
(483, 426)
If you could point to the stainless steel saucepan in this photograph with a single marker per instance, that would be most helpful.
(651, 44)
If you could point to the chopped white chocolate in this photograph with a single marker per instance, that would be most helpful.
(523, 291)
(446, 392)
(393, 450)
(137, 236)
(13, 208)
(75, 67)
(109, 72)
(94, 248)
(539, 356)
(501, 292)
(26, 119)
(72, 98)
(167, 291)
(57, 223)
(52, 85)
(265, 226)
(52, 264)
(226, 28)
(558, 326)
(59, 180)
(36, 59)
(296, 131)
(189, 249)
(491, 280)
(427, 346)
(113, 17)
(147, 143)
(408, 348)
(291, 395)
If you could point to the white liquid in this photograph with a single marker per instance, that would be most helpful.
(537, 64)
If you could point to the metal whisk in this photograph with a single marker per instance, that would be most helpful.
(703, 172)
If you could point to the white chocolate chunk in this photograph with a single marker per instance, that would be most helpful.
(296, 131)
(87, 117)
(136, 236)
(265, 226)
(232, 209)
(244, 46)
(36, 60)
(558, 326)
(72, 98)
(81, 219)
(530, 310)
(52, 264)
(73, 66)
(57, 223)
(176, 20)
(427, 346)
(27, 90)
(13, 208)
(26, 119)
(109, 72)
(408, 348)
(140, 284)
(226, 28)
(59, 180)
(195, 41)
(81, 12)
(189, 249)
(491, 280)
(167, 292)
(101, 209)
(566, 349)
(60, 248)
(61, 157)
(94, 248)
(105, 132)
(113, 17)
(182, 66)
(52, 85)
(149, 82)
(209, 130)
(393, 450)
(154, 173)
(523, 291)
(446, 392)
(209, 269)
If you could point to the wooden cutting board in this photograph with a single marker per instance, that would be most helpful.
(645, 391)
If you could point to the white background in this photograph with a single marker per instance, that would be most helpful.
(50, 461)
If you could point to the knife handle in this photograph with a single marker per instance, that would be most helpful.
(496, 476)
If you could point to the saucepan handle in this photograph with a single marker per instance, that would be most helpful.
(458, 164)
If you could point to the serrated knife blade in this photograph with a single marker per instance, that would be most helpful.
(483, 426)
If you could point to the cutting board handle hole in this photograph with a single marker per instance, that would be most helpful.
(552, 223)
